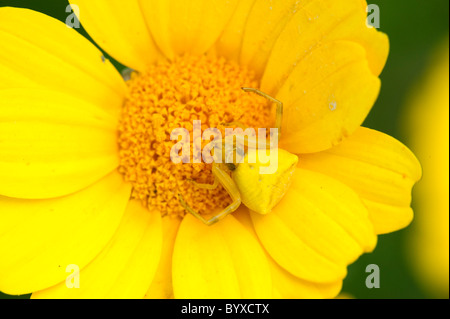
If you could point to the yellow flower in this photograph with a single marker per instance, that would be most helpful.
(81, 149)
(429, 131)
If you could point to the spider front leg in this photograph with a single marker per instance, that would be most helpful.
(279, 112)
(227, 182)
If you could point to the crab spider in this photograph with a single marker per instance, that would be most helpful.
(243, 180)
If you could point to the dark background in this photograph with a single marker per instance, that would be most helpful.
(415, 28)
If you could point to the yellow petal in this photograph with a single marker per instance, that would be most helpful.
(326, 97)
(126, 266)
(286, 285)
(161, 287)
(119, 28)
(387, 218)
(230, 42)
(265, 23)
(291, 287)
(317, 229)
(40, 51)
(380, 169)
(180, 26)
(52, 144)
(40, 238)
(316, 23)
(377, 48)
(219, 261)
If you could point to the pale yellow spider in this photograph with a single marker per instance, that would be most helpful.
(259, 192)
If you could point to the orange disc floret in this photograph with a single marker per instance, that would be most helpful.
(172, 95)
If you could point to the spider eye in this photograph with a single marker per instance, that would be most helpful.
(231, 166)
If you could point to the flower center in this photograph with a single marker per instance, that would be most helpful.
(172, 95)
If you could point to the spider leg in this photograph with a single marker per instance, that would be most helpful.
(279, 112)
(228, 183)
(235, 123)
(204, 185)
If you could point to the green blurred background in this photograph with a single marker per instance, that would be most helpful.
(415, 28)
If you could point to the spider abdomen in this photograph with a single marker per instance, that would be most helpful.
(261, 191)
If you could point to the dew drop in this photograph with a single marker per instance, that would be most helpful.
(332, 105)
